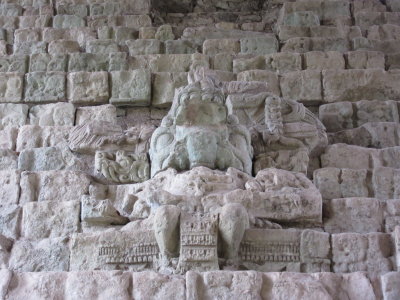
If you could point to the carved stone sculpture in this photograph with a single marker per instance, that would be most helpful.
(198, 131)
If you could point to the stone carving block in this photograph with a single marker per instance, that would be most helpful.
(49, 219)
(100, 212)
(11, 87)
(302, 85)
(122, 166)
(13, 115)
(87, 88)
(131, 87)
(145, 46)
(68, 21)
(259, 46)
(34, 136)
(57, 114)
(102, 46)
(164, 85)
(10, 218)
(9, 187)
(45, 87)
(8, 159)
(106, 113)
(43, 62)
(13, 63)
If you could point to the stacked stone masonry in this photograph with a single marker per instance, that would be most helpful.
(200, 149)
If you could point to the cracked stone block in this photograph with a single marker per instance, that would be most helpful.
(87, 87)
(365, 60)
(14, 63)
(8, 159)
(102, 46)
(141, 47)
(37, 285)
(68, 21)
(49, 219)
(10, 221)
(63, 47)
(53, 186)
(9, 187)
(35, 136)
(11, 87)
(131, 87)
(43, 62)
(164, 85)
(317, 60)
(106, 112)
(40, 256)
(54, 114)
(45, 87)
(13, 115)
(29, 48)
(361, 215)
(302, 85)
(259, 46)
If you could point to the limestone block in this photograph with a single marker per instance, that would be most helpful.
(26, 35)
(384, 32)
(81, 35)
(180, 47)
(164, 85)
(306, 44)
(317, 60)
(49, 219)
(141, 47)
(87, 88)
(245, 64)
(347, 156)
(288, 32)
(376, 111)
(11, 9)
(365, 60)
(8, 22)
(68, 21)
(170, 62)
(314, 246)
(14, 63)
(5, 278)
(63, 47)
(43, 62)
(396, 234)
(361, 215)
(147, 32)
(72, 9)
(302, 85)
(98, 285)
(8, 136)
(131, 87)
(328, 183)
(259, 45)
(391, 285)
(385, 46)
(45, 87)
(134, 20)
(11, 87)
(393, 5)
(44, 255)
(222, 62)
(106, 112)
(88, 62)
(224, 285)
(35, 136)
(365, 19)
(37, 285)
(301, 18)
(106, 9)
(48, 158)
(283, 62)
(10, 216)
(54, 114)
(269, 77)
(28, 48)
(34, 21)
(354, 85)
(13, 115)
(371, 252)
(53, 186)
(101, 46)
(368, 5)
(8, 159)
(215, 46)
(9, 187)
(164, 33)
(166, 287)
(393, 61)
(385, 183)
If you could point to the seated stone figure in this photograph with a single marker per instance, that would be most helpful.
(198, 131)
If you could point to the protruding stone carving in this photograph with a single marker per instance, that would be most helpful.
(122, 166)
(100, 212)
(198, 131)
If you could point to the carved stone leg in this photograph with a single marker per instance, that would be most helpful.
(233, 221)
(166, 230)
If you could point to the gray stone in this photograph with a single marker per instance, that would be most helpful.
(63, 47)
(8, 136)
(29, 48)
(14, 63)
(10, 218)
(106, 112)
(8, 159)
(164, 85)
(55, 114)
(180, 47)
(9, 187)
(101, 46)
(68, 21)
(391, 285)
(45, 87)
(215, 46)
(164, 33)
(317, 60)
(13, 115)
(145, 46)
(43, 62)
(365, 60)
(302, 85)
(301, 18)
(11, 87)
(259, 45)
(88, 88)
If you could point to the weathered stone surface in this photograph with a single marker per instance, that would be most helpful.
(44, 255)
(13, 115)
(45, 87)
(102, 46)
(53, 186)
(11, 87)
(68, 21)
(88, 88)
(10, 216)
(9, 187)
(269, 77)
(302, 85)
(8, 159)
(145, 46)
(43, 62)
(214, 46)
(34, 136)
(131, 88)
(49, 219)
(106, 112)
(259, 45)
(317, 60)
(57, 114)
(365, 60)
(164, 85)
(63, 47)
(385, 46)
(8, 136)
(306, 44)
(29, 48)
(180, 47)
(13, 63)
(391, 285)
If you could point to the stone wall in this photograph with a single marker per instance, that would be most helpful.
(86, 86)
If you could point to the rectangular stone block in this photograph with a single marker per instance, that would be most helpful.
(55, 114)
(10, 216)
(214, 46)
(145, 46)
(354, 85)
(63, 47)
(13, 115)
(35, 136)
(385, 46)
(8, 136)
(68, 21)
(14, 63)
(80, 10)
(259, 46)
(9, 187)
(302, 86)
(53, 186)
(306, 44)
(393, 61)
(29, 48)
(283, 62)
(81, 35)
(34, 21)
(49, 219)
(365, 60)
(45, 87)
(270, 78)
(102, 46)
(384, 32)
(43, 62)
(317, 60)
(27, 35)
(180, 47)
(131, 87)
(169, 62)
(106, 112)
(164, 85)
(391, 284)
(8, 159)
(88, 62)
(11, 87)
(87, 87)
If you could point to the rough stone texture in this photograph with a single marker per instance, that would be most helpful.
(11, 87)
(87, 88)
(57, 114)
